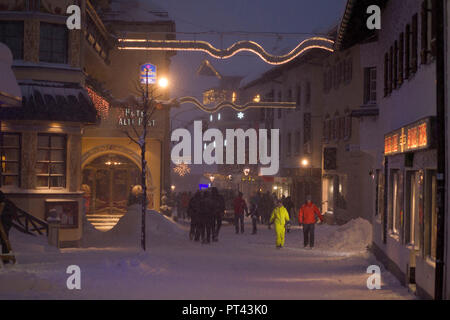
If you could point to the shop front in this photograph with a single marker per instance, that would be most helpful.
(408, 216)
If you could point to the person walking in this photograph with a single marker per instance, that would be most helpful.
(206, 217)
(193, 212)
(240, 206)
(255, 202)
(219, 211)
(280, 218)
(307, 216)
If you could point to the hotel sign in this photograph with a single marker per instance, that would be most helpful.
(416, 136)
(134, 118)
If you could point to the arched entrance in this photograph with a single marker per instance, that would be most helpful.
(108, 180)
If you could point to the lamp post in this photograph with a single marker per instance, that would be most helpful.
(148, 102)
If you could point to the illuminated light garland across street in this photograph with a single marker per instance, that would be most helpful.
(203, 46)
(239, 108)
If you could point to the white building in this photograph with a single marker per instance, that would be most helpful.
(402, 139)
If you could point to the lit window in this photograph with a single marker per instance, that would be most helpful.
(257, 98)
(9, 159)
(211, 118)
(51, 161)
(218, 116)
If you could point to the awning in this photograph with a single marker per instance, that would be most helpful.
(10, 95)
(53, 101)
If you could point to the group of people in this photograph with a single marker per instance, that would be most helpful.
(280, 214)
(206, 209)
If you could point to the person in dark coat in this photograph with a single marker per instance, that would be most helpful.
(194, 214)
(206, 217)
(255, 202)
(289, 205)
(240, 206)
(7, 214)
(219, 211)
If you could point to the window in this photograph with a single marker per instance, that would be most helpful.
(414, 44)
(326, 130)
(396, 201)
(11, 34)
(379, 201)
(414, 208)
(348, 70)
(51, 161)
(430, 214)
(53, 43)
(279, 113)
(307, 133)
(348, 127)
(370, 85)
(299, 96)
(308, 93)
(10, 150)
(297, 142)
(341, 127)
(289, 144)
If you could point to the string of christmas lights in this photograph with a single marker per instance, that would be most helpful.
(100, 103)
(224, 104)
(251, 46)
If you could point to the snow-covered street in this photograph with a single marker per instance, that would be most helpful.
(240, 266)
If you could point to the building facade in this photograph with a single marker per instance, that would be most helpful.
(398, 132)
(71, 111)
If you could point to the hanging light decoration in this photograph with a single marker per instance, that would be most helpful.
(100, 104)
(182, 169)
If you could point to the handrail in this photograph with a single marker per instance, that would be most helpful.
(29, 224)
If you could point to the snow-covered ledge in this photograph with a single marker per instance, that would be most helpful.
(10, 94)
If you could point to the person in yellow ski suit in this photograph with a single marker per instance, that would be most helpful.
(279, 217)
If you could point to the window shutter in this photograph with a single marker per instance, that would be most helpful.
(366, 85)
(391, 64)
(386, 74)
(407, 51)
(395, 80)
(401, 58)
(424, 32)
(415, 41)
(434, 14)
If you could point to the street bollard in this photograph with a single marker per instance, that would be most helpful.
(53, 231)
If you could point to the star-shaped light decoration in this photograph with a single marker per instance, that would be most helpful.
(240, 115)
(182, 169)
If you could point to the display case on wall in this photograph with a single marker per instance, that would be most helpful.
(65, 210)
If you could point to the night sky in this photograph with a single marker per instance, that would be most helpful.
(283, 16)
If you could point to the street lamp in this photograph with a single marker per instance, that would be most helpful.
(163, 82)
(148, 102)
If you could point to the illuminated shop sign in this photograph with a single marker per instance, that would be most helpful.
(416, 136)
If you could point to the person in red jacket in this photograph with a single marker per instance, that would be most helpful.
(239, 207)
(307, 216)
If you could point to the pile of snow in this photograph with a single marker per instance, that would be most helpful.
(355, 235)
(127, 232)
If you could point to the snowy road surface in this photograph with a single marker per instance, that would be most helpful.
(240, 266)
